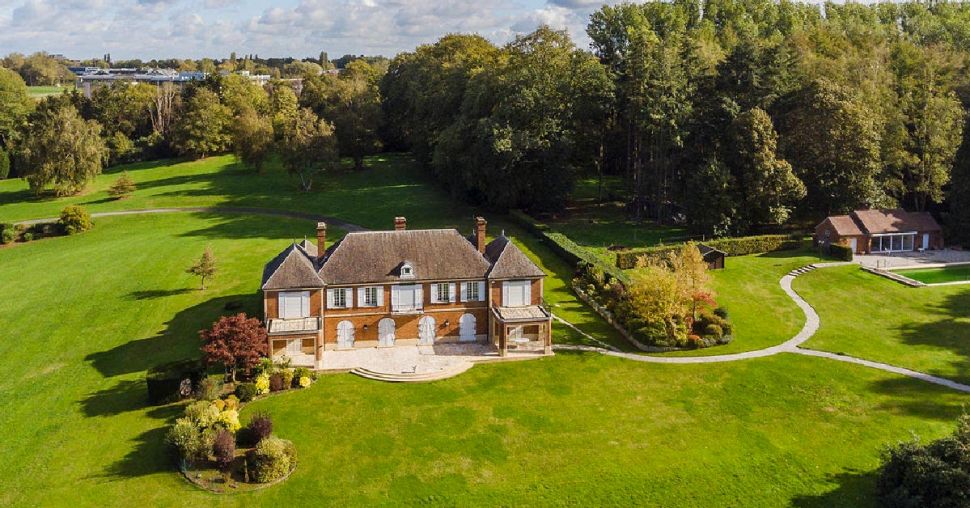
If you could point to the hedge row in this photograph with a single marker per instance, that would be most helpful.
(165, 381)
(563, 246)
(840, 252)
(740, 246)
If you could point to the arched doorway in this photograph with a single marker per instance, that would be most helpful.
(466, 328)
(345, 334)
(385, 332)
(426, 331)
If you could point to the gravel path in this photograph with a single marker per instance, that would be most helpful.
(790, 346)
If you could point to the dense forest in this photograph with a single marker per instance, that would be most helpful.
(727, 116)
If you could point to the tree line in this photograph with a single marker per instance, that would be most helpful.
(61, 142)
(729, 117)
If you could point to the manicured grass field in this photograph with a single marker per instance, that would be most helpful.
(925, 329)
(94, 311)
(958, 273)
(87, 315)
(38, 92)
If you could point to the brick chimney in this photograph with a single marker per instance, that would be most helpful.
(480, 224)
(400, 223)
(321, 239)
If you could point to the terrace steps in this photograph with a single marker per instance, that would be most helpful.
(413, 377)
(802, 270)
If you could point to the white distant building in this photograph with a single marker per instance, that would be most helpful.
(87, 81)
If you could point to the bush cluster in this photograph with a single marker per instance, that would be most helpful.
(740, 246)
(841, 252)
(272, 459)
(246, 391)
(260, 427)
(75, 219)
(935, 474)
(193, 435)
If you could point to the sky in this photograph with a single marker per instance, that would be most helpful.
(149, 29)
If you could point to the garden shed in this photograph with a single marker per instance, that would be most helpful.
(713, 257)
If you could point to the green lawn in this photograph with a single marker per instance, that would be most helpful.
(87, 315)
(580, 429)
(925, 329)
(958, 273)
(38, 92)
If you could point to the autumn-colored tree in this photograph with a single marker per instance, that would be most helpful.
(237, 342)
(690, 269)
(205, 267)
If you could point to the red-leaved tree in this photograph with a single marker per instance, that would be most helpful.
(237, 342)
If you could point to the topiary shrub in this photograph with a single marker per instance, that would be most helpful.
(260, 427)
(75, 219)
(841, 252)
(8, 235)
(272, 459)
(246, 391)
(224, 450)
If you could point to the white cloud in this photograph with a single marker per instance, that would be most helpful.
(196, 28)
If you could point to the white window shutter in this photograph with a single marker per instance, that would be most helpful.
(420, 297)
(481, 291)
(527, 293)
(281, 302)
(305, 304)
(380, 296)
(451, 293)
(361, 301)
(462, 288)
(330, 298)
(395, 296)
(434, 293)
(505, 293)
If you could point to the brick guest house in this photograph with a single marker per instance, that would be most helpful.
(403, 287)
(881, 231)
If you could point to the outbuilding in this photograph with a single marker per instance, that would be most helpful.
(881, 231)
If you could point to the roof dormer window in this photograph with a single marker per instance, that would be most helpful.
(407, 271)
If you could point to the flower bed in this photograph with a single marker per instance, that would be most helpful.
(213, 449)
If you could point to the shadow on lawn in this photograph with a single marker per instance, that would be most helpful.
(919, 398)
(948, 327)
(854, 488)
(179, 340)
(149, 453)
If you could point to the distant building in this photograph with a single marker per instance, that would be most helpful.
(91, 78)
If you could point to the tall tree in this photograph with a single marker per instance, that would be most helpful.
(308, 146)
(252, 138)
(237, 342)
(59, 148)
(352, 102)
(15, 104)
(204, 126)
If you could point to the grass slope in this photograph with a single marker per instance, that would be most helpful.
(925, 329)
(959, 273)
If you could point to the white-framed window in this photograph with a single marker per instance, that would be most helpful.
(407, 297)
(473, 291)
(339, 298)
(370, 296)
(443, 292)
(516, 293)
(294, 304)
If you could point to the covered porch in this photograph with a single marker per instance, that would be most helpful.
(295, 340)
(522, 329)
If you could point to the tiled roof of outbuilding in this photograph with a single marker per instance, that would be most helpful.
(508, 261)
(292, 268)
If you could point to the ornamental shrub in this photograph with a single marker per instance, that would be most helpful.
(713, 330)
(75, 219)
(202, 413)
(123, 187)
(272, 459)
(305, 381)
(302, 372)
(840, 252)
(8, 235)
(189, 441)
(27, 237)
(232, 402)
(224, 450)
(172, 381)
(246, 391)
(260, 427)
(262, 384)
(276, 382)
(287, 378)
(209, 389)
(228, 420)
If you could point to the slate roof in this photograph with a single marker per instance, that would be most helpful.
(508, 261)
(435, 254)
(292, 268)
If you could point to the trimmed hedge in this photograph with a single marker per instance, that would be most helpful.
(165, 381)
(739, 246)
(840, 252)
(564, 247)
